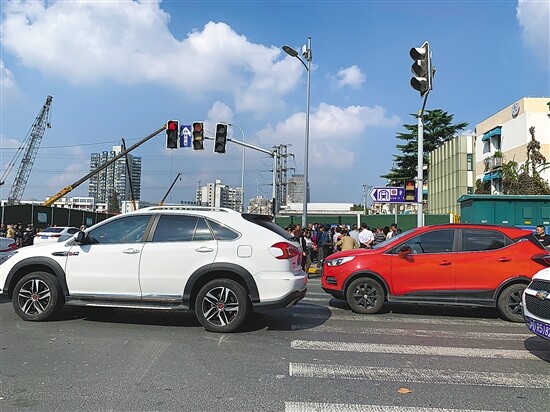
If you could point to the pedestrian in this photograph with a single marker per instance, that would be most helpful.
(354, 233)
(346, 242)
(394, 230)
(379, 236)
(365, 237)
(10, 232)
(3, 230)
(540, 234)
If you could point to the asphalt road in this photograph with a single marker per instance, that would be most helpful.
(318, 356)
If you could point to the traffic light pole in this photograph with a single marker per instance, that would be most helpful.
(420, 166)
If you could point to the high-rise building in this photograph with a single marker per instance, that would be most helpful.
(115, 177)
(219, 195)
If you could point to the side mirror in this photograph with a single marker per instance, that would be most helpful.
(405, 251)
(80, 237)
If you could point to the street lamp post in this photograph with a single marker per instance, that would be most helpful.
(306, 53)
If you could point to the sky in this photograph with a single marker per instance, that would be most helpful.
(122, 69)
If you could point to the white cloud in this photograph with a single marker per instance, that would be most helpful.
(8, 85)
(350, 76)
(333, 130)
(88, 42)
(534, 18)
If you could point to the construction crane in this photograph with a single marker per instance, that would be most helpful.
(30, 146)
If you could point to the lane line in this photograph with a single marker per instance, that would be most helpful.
(420, 350)
(410, 375)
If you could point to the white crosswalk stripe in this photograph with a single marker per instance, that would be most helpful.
(337, 331)
(346, 407)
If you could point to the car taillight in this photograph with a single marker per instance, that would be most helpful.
(284, 250)
(543, 259)
(11, 246)
(55, 236)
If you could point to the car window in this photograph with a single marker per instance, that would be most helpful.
(129, 229)
(202, 231)
(222, 232)
(175, 228)
(53, 230)
(72, 231)
(482, 239)
(437, 241)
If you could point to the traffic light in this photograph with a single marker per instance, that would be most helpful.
(172, 134)
(410, 192)
(221, 138)
(421, 68)
(198, 136)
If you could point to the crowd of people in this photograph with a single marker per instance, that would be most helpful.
(22, 236)
(319, 241)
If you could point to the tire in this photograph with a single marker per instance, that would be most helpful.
(37, 296)
(509, 303)
(222, 305)
(365, 295)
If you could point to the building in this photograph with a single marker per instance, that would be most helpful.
(504, 136)
(451, 174)
(219, 195)
(115, 177)
(466, 161)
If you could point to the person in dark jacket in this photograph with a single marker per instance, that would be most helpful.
(540, 234)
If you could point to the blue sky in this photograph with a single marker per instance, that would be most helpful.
(121, 69)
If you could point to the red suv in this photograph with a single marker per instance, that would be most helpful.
(453, 264)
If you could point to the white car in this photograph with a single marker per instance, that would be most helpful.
(54, 234)
(536, 304)
(7, 248)
(220, 263)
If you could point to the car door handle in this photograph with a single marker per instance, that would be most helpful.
(204, 249)
(444, 263)
(504, 259)
(131, 251)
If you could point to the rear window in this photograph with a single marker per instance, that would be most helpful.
(53, 230)
(266, 222)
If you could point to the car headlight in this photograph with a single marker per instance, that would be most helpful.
(339, 261)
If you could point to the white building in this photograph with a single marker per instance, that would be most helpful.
(218, 194)
(504, 136)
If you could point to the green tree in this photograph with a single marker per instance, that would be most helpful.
(113, 206)
(438, 129)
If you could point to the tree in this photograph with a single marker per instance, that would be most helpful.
(438, 129)
(113, 206)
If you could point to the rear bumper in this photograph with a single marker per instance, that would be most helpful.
(287, 301)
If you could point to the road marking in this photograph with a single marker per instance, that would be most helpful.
(420, 350)
(393, 319)
(307, 298)
(414, 332)
(401, 375)
(350, 407)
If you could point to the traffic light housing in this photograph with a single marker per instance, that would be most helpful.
(221, 138)
(172, 134)
(421, 68)
(198, 136)
(410, 192)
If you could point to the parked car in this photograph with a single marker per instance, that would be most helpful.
(452, 264)
(220, 263)
(7, 248)
(54, 234)
(536, 304)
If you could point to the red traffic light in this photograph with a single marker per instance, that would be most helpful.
(172, 125)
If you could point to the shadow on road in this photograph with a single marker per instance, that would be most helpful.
(538, 347)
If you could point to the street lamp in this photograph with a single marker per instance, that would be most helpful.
(306, 53)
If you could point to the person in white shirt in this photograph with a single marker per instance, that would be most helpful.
(393, 231)
(365, 237)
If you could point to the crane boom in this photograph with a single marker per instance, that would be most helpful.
(37, 132)
(69, 188)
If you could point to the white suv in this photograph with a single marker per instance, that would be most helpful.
(220, 263)
(536, 304)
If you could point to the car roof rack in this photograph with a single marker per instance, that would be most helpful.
(191, 207)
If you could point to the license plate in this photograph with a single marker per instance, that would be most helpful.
(44, 237)
(540, 328)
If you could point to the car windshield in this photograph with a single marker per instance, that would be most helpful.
(392, 239)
